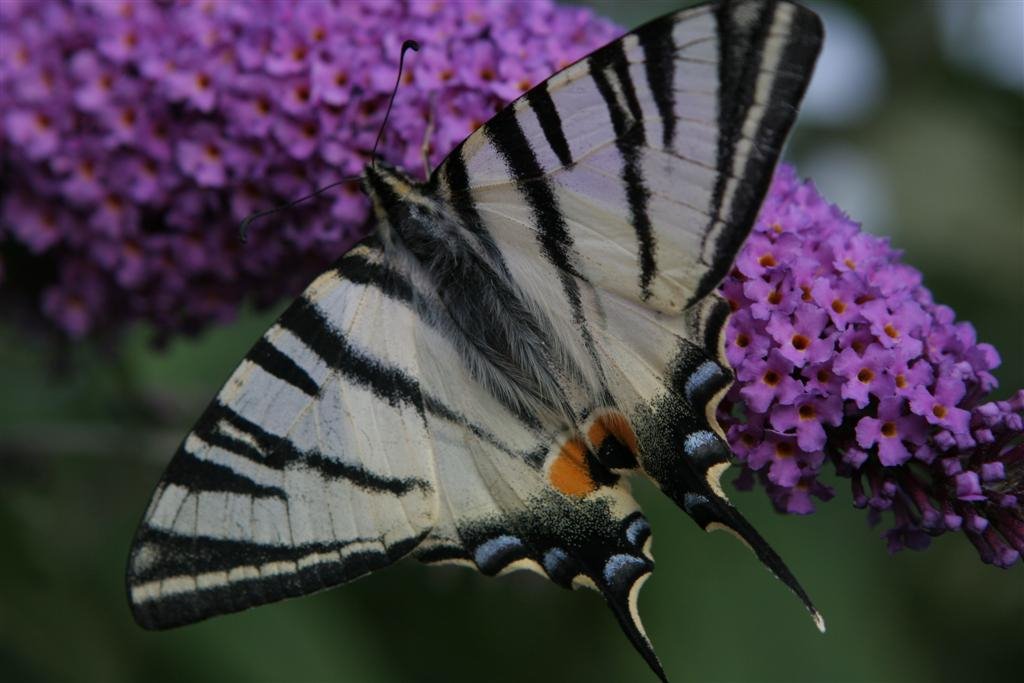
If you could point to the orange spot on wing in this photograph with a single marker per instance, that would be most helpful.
(569, 473)
(613, 424)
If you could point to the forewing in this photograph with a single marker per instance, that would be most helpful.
(311, 467)
(641, 168)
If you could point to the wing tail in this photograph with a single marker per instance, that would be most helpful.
(713, 513)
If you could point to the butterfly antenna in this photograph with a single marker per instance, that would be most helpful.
(243, 228)
(406, 46)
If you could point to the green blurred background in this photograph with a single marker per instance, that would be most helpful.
(915, 126)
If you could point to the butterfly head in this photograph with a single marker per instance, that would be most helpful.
(407, 212)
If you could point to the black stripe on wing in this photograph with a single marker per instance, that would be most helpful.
(660, 65)
(743, 28)
(550, 122)
(278, 452)
(183, 557)
(510, 141)
(273, 361)
(305, 321)
(194, 473)
(358, 269)
(607, 65)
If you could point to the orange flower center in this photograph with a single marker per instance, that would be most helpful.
(838, 306)
(800, 342)
(771, 378)
(939, 411)
(866, 375)
(767, 261)
(889, 430)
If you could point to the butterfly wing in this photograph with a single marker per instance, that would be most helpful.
(311, 467)
(617, 194)
(641, 168)
(352, 435)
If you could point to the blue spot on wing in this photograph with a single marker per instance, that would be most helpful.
(697, 441)
(494, 554)
(620, 571)
(693, 500)
(554, 560)
(638, 531)
(702, 377)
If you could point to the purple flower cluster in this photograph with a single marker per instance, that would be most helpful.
(842, 356)
(134, 136)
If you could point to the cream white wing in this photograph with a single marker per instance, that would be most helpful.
(641, 168)
(354, 434)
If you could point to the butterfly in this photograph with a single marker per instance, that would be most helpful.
(477, 381)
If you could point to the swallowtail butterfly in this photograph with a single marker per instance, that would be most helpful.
(476, 382)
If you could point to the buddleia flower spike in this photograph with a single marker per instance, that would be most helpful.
(843, 359)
